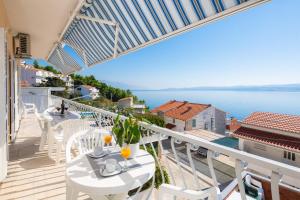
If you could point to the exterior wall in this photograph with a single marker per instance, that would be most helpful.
(180, 125)
(39, 96)
(94, 93)
(3, 106)
(220, 121)
(270, 152)
(202, 118)
(28, 75)
(205, 117)
(126, 102)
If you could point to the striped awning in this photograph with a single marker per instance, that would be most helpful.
(106, 29)
(63, 61)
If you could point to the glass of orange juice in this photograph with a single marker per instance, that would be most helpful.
(107, 140)
(125, 153)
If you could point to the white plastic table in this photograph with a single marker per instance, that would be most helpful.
(83, 175)
(52, 118)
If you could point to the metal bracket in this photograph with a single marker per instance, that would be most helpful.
(102, 21)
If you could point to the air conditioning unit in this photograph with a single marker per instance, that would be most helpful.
(22, 45)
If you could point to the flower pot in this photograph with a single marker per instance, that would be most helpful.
(134, 148)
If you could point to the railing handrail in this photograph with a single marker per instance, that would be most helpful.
(272, 165)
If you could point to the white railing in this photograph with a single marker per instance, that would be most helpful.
(241, 159)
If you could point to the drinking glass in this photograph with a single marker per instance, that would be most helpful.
(125, 153)
(107, 140)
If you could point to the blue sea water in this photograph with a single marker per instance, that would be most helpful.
(236, 103)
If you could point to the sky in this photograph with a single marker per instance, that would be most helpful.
(255, 47)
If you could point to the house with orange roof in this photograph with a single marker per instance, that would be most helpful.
(185, 116)
(88, 92)
(271, 135)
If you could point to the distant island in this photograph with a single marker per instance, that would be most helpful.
(283, 87)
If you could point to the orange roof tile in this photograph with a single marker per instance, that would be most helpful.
(282, 122)
(273, 139)
(181, 110)
(167, 106)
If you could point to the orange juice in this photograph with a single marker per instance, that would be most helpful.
(125, 152)
(107, 139)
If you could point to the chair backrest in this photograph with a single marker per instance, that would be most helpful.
(71, 126)
(84, 141)
(41, 121)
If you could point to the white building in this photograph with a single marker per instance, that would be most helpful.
(270, 135)
(128, 103)
(185, 116)
(34, 76)
(87, 91)
(68, 80)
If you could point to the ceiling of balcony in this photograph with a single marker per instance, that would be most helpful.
(44, 20)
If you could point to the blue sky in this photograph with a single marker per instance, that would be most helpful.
(255, 47)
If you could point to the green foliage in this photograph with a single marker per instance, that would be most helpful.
(100, 102)
(150, 118)
(35, 64)
(52, 82)
(126, 131)
(51, 69)
(106, 91)
(47, 68)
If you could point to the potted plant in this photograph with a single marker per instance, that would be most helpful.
(127, 132)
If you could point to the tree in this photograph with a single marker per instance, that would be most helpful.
(51, 69)
(35, 64)
(53, 82)
(106, 91)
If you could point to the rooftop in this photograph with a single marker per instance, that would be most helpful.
(273, 139)
(87, 86)
(280, 122)
(181, 110)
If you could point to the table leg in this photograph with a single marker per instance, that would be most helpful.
(71, 194)
(50, 139)
(43, 136)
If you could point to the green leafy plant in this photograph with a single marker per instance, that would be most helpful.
(158, 175)
(126, 131)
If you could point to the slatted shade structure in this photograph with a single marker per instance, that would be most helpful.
(63, 61)
(106, 29)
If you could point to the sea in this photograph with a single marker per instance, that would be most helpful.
(237, 104)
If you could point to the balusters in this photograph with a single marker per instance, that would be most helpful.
(239, 168)
(275, 180)
(190, 147)
(173, 140)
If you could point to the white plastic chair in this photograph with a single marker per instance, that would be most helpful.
(28, 108)
(84, 141)
(41, 121)
(64, 130)
(250, 182)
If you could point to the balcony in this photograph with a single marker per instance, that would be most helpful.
(33, 175)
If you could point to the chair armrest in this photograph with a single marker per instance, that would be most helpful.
(256, 183)
(185, 193)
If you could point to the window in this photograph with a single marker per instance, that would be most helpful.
(194, 123)
(206, 126)
(173, 120)
(212, 123)
(289, 155)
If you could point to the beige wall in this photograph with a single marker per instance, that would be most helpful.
(3, 16)
(5, 23)
(268, 151)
